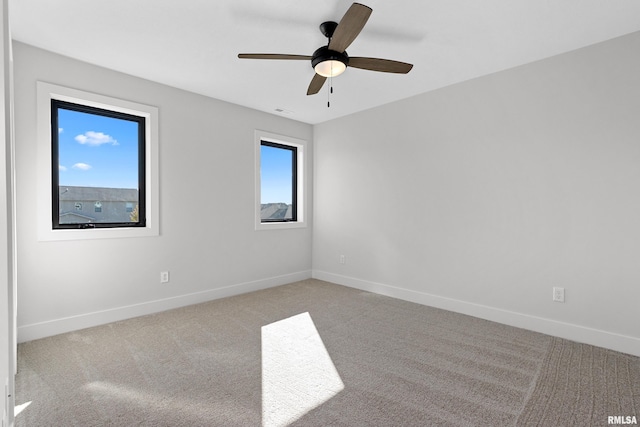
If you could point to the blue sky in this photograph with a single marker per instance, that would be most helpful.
(97, 151)
(275, 175)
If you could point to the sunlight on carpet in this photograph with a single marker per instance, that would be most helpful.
(298, 374)
(124, 393)
(19, 408)
(142, 399)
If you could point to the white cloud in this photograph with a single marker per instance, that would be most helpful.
(82, 166)
(62, 168)
(60, 130)
(95, 139)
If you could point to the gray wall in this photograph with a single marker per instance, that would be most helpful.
(206, 160)
(482, 196)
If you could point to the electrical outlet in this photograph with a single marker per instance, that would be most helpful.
(558, 294)
(343, 259)
(164, 277)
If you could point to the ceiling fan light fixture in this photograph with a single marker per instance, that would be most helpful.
(329, 63)
(330, 68)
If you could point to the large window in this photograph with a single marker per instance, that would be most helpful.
(97, 166)
(279, 181)
(97, 159)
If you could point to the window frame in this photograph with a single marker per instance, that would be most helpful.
(46, 92)
(281, 141)
(56, 105)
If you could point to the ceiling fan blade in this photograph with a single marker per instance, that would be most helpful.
(349, 27)
(316, 84)
(377, 64)
(272, 56)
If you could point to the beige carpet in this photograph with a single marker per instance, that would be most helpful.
(316, 354)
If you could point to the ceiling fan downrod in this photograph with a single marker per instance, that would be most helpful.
(327, 28)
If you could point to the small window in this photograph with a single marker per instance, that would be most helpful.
(278, 184)
(279, 181)
(96, 154)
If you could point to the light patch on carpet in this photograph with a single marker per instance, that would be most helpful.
(298, 374)
(144, 399)
(19, 408)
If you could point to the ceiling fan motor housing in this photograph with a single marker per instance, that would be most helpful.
(325, 54)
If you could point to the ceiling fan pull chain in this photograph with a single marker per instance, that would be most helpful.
(329, 92)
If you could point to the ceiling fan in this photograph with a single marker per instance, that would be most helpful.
(332, 60)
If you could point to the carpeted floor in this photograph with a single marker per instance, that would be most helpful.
(317, 354)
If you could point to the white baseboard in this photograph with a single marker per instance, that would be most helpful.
(87, 320)
(613, 341)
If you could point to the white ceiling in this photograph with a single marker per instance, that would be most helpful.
(193, 44)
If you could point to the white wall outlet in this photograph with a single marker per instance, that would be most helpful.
(558, 294)
(342, 259)
(164, 277)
